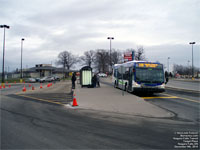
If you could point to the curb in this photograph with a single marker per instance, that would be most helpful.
(184, 80)
(181, 89)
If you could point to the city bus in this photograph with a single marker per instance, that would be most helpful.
(139, 76)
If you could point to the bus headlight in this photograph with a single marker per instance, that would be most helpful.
(162, 85)
(135, 84)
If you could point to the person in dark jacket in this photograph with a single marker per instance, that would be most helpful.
(73, 80)
(94, 81)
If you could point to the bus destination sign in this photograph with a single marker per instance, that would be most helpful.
(148, 65)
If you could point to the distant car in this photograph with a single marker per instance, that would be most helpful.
(30, 80)
(46, 79)
(102, 75)
(56, 78)
(37, 79)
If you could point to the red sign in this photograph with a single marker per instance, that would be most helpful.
(127, 56)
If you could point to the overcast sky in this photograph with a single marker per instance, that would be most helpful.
(163, 27)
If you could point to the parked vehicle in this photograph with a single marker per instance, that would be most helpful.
(56, 78)
(37, 79)
(30, 80)
(46, 79)
(102, 75)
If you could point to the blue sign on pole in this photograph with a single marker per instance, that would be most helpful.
(133, 55)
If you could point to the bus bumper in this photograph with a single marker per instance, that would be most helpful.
(149, 90)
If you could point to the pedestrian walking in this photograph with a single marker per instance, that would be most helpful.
(73, 80)
(98, 81)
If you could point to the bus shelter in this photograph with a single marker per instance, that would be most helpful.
(86, 76)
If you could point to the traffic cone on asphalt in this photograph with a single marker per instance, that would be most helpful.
(29, 85)
(0, 87)
(15, 82)
(74, 100)
(24, 89)
(4, 86)
(33, 88)
(9, 86)
(41, 85)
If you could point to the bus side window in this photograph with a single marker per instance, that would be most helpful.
(115, 73)
(119, 76)
(126, 75)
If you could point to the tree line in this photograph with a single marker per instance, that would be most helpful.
(99, 59)
(185, 70)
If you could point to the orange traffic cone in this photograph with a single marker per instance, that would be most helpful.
(4, 86)
(41, 85)
(0, 87)
(74, 100)
(29, 85)
(9, 86)
(33, 88)
(15, 82)
(48, 85)
(24, 89)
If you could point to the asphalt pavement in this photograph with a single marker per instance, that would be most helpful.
(29, 124)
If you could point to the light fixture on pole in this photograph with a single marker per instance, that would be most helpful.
(3, 26)
(110, 38)
(21, 58)
(192, 43)
(168, 63)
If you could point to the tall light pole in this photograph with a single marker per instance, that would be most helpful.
(21, 57)
(110, 38)
(192, 43)
(168, 63)
(3, 26)
(188, 68)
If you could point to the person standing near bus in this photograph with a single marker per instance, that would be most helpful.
(73, 80)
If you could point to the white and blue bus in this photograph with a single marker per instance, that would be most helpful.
(139, 76)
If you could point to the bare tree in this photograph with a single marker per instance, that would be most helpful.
(66, 59)
(139, 54)
(116, 57)
(102, 60)
(89, 57)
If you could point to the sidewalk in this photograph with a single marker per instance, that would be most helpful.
(107, 98)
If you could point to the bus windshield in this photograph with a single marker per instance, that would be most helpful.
(149, 75)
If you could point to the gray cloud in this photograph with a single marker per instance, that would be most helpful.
(49, 27)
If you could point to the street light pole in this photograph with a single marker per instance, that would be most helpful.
(168, 63)
(4, 26)
(110, 38)
(192, 43)
(21, 57)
